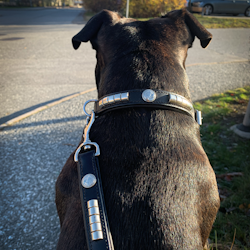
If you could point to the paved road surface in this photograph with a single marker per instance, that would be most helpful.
(42, 66)
(38, 64)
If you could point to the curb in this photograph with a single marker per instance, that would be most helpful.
(37, 110)
(240, 133)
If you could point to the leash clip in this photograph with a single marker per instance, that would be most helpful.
(87, 142)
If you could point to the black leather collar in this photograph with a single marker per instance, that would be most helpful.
(157, 99)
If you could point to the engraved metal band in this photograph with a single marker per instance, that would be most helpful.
(95, 220)
(114, 98)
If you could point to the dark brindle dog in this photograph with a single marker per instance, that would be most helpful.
(159, 187)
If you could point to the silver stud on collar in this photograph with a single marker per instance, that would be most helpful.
(148, 95)
(88, 181)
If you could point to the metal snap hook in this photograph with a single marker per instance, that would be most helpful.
(87, 142)
(85, 104)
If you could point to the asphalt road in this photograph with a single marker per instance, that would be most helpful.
(41, 66)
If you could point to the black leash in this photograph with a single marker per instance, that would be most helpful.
(94, 212)
(93, 205)
(95, 217)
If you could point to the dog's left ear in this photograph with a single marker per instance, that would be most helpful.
(193, 24)
(93, 26)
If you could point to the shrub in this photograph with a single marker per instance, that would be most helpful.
(98, 5)
(137, 8)
(153, 8)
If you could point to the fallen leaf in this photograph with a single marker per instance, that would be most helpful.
(241, 206)
(228, 178)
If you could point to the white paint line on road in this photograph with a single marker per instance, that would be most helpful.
(23, 116)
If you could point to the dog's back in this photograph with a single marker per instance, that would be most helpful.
(160, 190)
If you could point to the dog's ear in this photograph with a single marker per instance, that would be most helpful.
(93, 26)
(197, 29)
(194, 26)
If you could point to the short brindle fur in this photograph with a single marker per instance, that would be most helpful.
(160, 189)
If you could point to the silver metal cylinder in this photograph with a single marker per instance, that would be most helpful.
(94, 219)
(92, 203)
(94, 211)
(95, 227)
(97, 235)
(199, 117)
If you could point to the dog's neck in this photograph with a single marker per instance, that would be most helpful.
(137, 72)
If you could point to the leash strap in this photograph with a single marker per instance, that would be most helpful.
(94, 212)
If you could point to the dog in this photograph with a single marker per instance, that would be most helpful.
(159, 187)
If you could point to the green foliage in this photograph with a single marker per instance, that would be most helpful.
(98, 5)
(153, 8)
(137, 8)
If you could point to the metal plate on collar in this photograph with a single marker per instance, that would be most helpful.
(148, 95)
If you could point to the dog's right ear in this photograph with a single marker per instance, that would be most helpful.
(197, 29)
(93, 26)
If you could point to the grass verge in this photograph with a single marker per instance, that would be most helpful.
(230, 157)
(215, 23)
(88, 14)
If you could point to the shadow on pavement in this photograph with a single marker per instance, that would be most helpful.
(47, 122)
(23, 111)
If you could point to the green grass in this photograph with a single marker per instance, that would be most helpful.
(215, 23)
(228, 153)
(88, 14)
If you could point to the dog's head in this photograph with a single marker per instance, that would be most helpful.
(142, 54)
